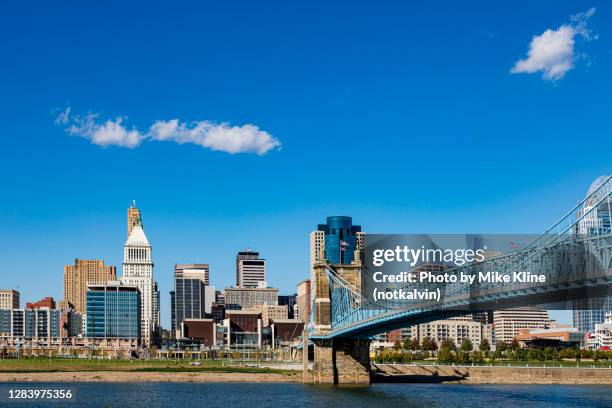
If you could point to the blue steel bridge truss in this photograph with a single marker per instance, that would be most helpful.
(355, 316)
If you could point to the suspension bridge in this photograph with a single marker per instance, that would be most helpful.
(575, 256)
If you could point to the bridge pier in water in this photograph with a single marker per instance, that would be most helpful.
(341, 361)
(337, 360)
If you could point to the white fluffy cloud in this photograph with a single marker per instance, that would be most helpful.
(230, 139)
(215, 136)
(552, 52)
(108, 133)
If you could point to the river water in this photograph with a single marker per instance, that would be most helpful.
(251, 395)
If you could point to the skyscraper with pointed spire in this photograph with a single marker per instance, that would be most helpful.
(138, 271)
(132, 216)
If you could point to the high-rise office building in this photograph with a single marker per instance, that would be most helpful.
(192, 297)
(250, 270)
(9, 299)
(85, 272)
(509, 322)
(246, 298)
(585, 320)
(202, 270)
(335, 241)
(341, 238)
(317, 247)
(595, 218)
(133, 216)
(138, 271)
(113, 311)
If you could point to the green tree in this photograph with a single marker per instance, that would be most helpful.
(445, 353)
(427, 344)
(549, 353)
(501, 346)
(535, 354)
(448, 344)
(478, 357)
(485, 347)
(515, 344)
(567, 354)
(466, 346)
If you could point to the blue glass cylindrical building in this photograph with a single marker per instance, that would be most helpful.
(340, 239)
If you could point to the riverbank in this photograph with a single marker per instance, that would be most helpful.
(491, 375)
(151, 376)
(125, 371)
(386, 373)
(98, 370)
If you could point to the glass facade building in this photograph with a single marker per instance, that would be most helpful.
(188, 300)
(113, 311)
(192, 297)
(585, 320)
(595, 219)
(340, 239)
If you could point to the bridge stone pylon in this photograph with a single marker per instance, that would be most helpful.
(337, 360)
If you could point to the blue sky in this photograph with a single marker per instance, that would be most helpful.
(405, 116)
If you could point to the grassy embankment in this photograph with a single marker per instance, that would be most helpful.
(41, 364)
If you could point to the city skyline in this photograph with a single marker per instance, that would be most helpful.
(432, 131)
(561, 316)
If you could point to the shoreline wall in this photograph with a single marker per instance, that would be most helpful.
(491, 375)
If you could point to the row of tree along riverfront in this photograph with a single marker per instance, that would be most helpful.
(447, 352)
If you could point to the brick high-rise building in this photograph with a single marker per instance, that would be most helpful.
(9, 299)
(47, 302)
(85, 272)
